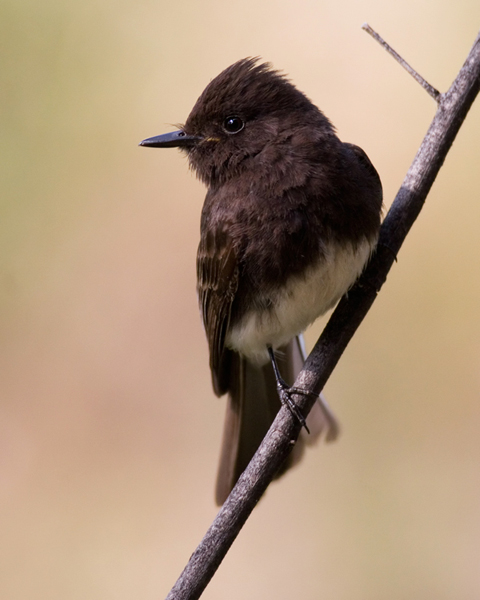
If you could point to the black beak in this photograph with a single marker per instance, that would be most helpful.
(174, 139)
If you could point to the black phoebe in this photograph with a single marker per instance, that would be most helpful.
(290, 219)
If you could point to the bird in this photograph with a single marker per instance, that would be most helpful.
(290, 219)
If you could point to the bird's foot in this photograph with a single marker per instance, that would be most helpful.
(285, 393)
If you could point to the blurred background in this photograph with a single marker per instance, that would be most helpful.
(109, 429)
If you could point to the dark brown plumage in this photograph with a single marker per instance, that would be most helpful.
(290, 218)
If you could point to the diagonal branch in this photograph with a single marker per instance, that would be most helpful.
(452, 110)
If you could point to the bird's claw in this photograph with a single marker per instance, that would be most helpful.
(285, 394)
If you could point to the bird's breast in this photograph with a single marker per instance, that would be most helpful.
(298, 301)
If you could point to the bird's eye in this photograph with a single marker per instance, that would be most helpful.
(233, 124)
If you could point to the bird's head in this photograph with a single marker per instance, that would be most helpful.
(249, 112)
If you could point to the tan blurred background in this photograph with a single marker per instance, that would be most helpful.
(109, 430)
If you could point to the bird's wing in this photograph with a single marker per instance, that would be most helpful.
(366, 164)
(217, 283)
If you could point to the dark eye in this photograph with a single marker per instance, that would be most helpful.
(233, 124)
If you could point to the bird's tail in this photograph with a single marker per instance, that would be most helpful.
(253, 403)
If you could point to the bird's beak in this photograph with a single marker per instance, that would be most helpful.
(174, 139)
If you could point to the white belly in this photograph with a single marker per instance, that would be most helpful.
(302, 300)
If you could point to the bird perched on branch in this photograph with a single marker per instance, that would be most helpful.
(290, 219)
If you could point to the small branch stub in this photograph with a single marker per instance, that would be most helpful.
(435, 94)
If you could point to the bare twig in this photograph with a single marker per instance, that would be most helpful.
(452, 110)
(435, 94)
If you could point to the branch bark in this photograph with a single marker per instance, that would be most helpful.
(452, 110)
